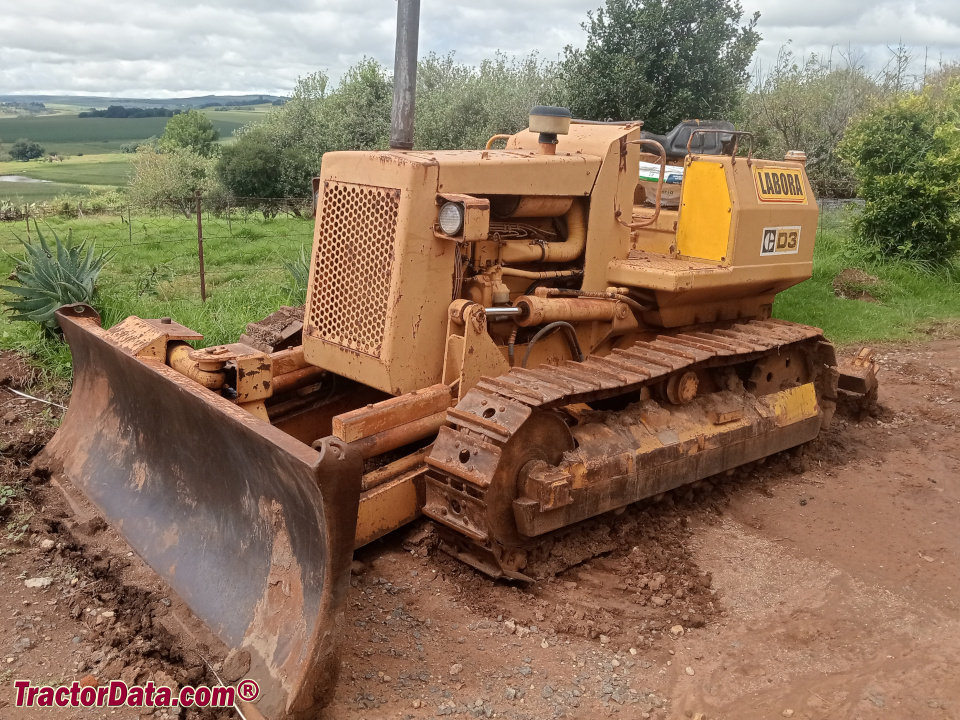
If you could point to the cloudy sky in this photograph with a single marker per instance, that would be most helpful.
(183, 47)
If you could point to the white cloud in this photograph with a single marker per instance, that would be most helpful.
(180, 47)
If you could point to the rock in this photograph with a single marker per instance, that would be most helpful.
(130, 674)
(456, 669)
(689, 670)
(547, 692)
(510, 693)
(697, 621)
(544, 644)
(658, 601)
(604, 639)
(416, 703)
(510, 626)
(108, 613)
(676, 630)
(161, 679)
(787, 713)
(357, 568)
(88, 681)
(47, 544)
(236, 665)
(10, 418)
(38, 583)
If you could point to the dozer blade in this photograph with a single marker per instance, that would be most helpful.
(252, 528)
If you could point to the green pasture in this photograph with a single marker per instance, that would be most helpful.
(909, 298)
(66, 134)
(105, 169)
(21, 193)
(154, 272)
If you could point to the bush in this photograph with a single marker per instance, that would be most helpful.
(906, 157)
(171, 179)
(23, 150)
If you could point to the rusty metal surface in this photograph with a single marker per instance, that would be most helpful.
(859, 373)
(640, 364)
(252, 528)
(487, 485)
(352, 265)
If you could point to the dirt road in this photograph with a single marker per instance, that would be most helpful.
(823, 584)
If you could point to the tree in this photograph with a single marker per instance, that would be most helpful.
(462, 106)
(191, 130)
(806, 104)
(172, 178)
(356, 116)
(276, 157)
(24, 150)
(262, 165)
(661, 61)
(906, 156)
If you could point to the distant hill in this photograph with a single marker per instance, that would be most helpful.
(90, 101)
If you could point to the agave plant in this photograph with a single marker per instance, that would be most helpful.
(299, 270)
(51, 278)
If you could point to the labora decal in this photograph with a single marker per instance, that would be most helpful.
(779, 184)
(780, 241)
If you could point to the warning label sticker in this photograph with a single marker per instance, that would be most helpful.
(780, 241)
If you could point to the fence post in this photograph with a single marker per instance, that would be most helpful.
(130, 223)
(203, 278)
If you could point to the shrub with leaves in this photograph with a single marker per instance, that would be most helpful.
(906, 156)
(48, 279)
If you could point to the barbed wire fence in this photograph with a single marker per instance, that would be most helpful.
(201, 241)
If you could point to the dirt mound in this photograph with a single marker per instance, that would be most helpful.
(277, 331)
(855, 284)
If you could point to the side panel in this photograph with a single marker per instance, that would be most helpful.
(758, 212)
(703, 230)
(381, 281)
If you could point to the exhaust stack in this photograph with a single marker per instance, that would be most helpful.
(405, 75)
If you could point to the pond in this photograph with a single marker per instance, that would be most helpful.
(20, 179)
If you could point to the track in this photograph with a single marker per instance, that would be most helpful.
(503, 474)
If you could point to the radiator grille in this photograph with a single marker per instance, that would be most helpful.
(353, 265)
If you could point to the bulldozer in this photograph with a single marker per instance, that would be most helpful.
(507, 341)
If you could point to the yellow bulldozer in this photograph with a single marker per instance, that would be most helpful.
(507, 341)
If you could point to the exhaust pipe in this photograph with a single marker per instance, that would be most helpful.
(405, 75)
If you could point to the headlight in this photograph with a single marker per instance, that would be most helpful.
(451, 218)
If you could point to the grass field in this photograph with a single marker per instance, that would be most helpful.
(908, 298)
(69, 135)
(156, 274)
(106, 169)
(20, 193)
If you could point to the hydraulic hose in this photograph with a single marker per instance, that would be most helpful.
(568, 331)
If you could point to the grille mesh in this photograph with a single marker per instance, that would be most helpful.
(353, 265)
